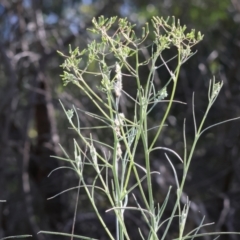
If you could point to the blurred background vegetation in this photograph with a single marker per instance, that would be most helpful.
(32, 122)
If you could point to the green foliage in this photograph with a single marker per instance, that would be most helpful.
(117, 40)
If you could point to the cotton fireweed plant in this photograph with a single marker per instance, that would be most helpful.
(118, 40)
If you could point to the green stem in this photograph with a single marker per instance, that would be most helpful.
(170, 102)
(185, 171)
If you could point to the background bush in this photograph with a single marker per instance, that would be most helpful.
(32, 122)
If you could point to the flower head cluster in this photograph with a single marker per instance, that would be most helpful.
(118, 122)
(118, 82)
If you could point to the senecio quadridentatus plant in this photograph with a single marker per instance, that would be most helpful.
(116, 40)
